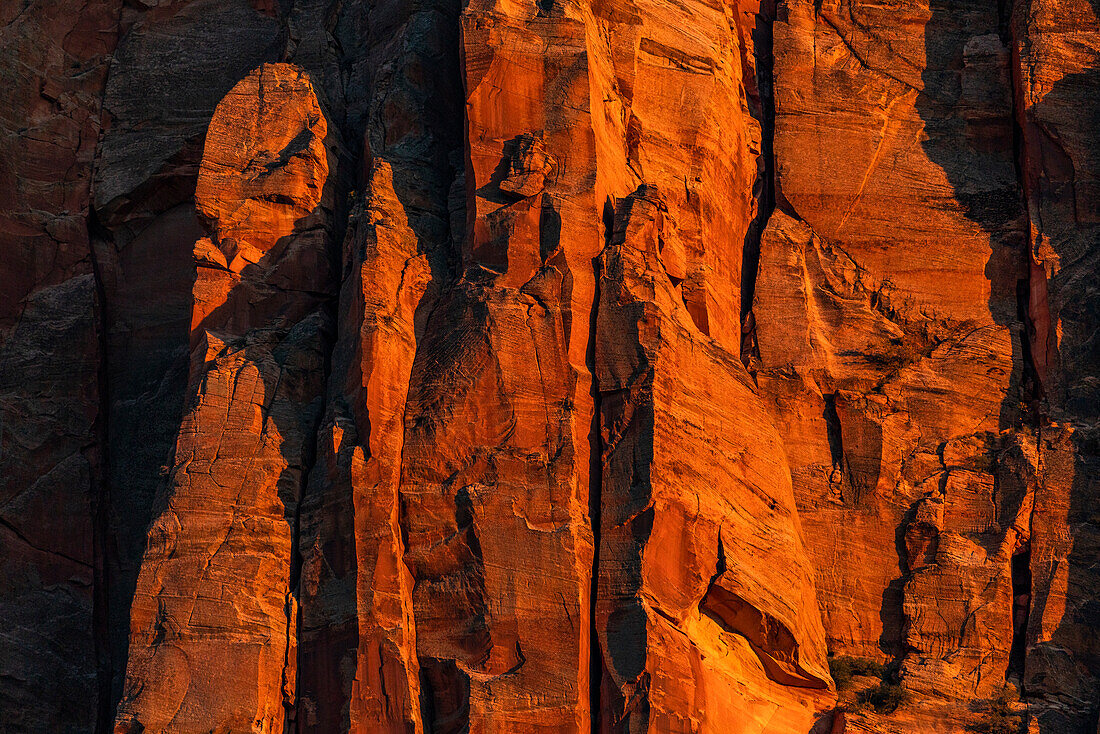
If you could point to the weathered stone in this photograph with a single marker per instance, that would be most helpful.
(699, 530)
(563, 366)
(52, 439)
(886, 317)
(1058, 107)
(216, 579)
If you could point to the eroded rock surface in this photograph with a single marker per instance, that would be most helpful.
(1058, 108)
(571, 365)
(216, 576)
(52, 448)
(694, 632)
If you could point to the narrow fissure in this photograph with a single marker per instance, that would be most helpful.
(103, 624)
(345, 181)
(762, 36)
(833, 432)
(293, 605)
(1030, 382)
(443, 699)
(595, 485)
(1030, 387)
(101, 497)
(1021, 609)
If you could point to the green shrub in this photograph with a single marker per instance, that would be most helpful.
(885, 698)
(844, 668)
(999, 718)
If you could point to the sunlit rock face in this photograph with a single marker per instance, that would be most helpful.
(215, 576)
(563, 366)
(890, 341)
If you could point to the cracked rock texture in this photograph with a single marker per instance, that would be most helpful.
(550, 366)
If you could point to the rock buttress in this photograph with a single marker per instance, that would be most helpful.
(214, 620)
(1057, 71)
(495, 469)
(891, 337)
(706, 609)
(359, 667)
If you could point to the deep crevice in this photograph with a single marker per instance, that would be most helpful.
(595, 483)
(102, 622)
(833, 431)
(444, 697)
(1021, 609)
(293, 603)
(1030, 383)
(101, 496)
(1031, 387)
(345, 181)
(762, 36)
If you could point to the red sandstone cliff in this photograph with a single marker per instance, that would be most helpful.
(558, 366)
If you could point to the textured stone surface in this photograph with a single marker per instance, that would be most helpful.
(890, 313)
(706, 611)
(1058, 105)
(886, 322)
(216, 575)
(580, 365)
(495, 470)
(52, 67)
(358, 635)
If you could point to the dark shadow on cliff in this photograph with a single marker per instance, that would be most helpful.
(270, 318)
(145, 244)
(403, 97)
(1062, 671)
(969, 134)
(428, 177)
(966, 107)
(971, 130)
(285, 333)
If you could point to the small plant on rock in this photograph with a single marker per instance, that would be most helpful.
(844, 668)
(885, 698)
(999, 718)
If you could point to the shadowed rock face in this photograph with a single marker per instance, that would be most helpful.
(598, 366)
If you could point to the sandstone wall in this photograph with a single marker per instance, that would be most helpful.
(572, 365)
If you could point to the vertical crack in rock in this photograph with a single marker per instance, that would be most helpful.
(833, 432)
(763, 54)
(596, 667)
(101, 499)
(1031, 384)
(1034, 317)
(293, 605)
(1021, 608)
(109, 662)
(1031, 292)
